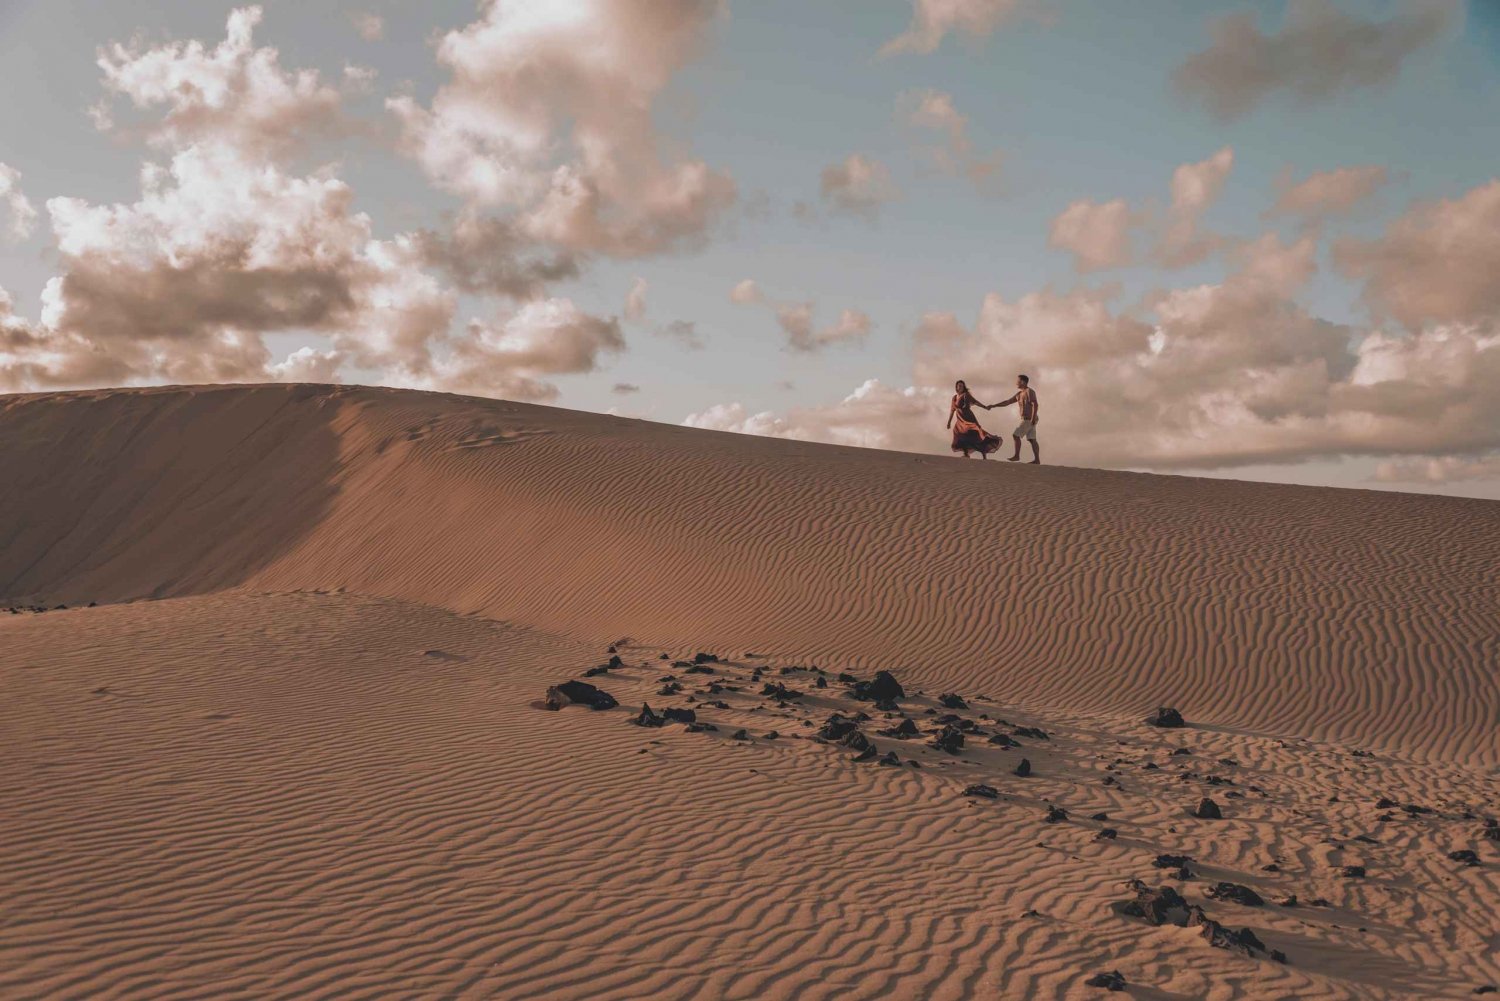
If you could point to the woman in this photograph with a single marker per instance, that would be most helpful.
(968, 436)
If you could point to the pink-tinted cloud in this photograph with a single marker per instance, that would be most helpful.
(548, 112)
(1195, 187)
(635, 300)
(934, 110)
(512, 357)
(1326, 194)
(858, 185)
(1319, 52)
(19, 216)
(797, 320)
(1437, 263)
(1098, 236)
(933, 20)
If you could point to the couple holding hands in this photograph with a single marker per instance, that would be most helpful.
(968, 436)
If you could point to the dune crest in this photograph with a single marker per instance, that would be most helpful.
(1334, 614)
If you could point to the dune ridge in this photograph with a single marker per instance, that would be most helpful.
(1336, 614)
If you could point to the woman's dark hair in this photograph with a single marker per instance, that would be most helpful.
(959, 383)
(1025, 378)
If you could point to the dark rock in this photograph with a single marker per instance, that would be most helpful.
(1098, 816)
(845, 678)
(950, 739)
(1180, 751)
(780, 691)
(901, 731)
(856, 741)
(696, 727)
(1352, 871)
(1235, 892)
(579, 693)
(772, 735)
(705, 658)
(836, 727)
(739, 735)
(670, 688)
(614, 661)
(1112, 981)
(982, 791)
(1035, 733)
(594, 672)
(1161, 906)
(698, 669)
(1166, 717)
(1171, 861)
(647, 718)
(951, 701)
(1492, 830)
(1465, 856)
(1290, 900)
(1241, 940)
(868, 754)
(882, 688)
(679, 715)
(822, 682)
(1106, 834)
(1207, 809)
(1023, 768)
(1001, 740)
(890, 759)
(1055, 815)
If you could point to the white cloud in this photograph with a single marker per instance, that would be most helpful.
(1098, 236)
(934, 110)
(1327, 194)
(635, 300)
(1195, 186)
(745, 291)
(371, 26)
(548, 111)
(21, 213)
(933, 20)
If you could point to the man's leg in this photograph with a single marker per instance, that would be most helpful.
(1017, 456)
(1036, 453)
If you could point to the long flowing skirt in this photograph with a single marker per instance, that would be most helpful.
(968, 436)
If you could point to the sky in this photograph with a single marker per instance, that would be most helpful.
(1258, 240)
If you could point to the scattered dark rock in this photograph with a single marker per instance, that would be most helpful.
(1207, 809)
(1171, 861)
(771, 735)
(1001, 740)
(1242, 940)
(1055, 815)
(950, 739)
(856, 741)
(1465, 856)
(1492, 830)
(1035, 733)
(982, 791)
(1161, 906)
(845, 678)
(890, 759)
(951, 701)
(1098, 816)
(705, 658)
(679, 715)
(780, 691)
(1181, 751)
(594, 672)
(696, 727)
(836, 727)
(868, 754)
(1112, 981)
(670, 688)
(698, 669)
(1106, 834)
(1235, 892)
(822, 682)
(579, 693)
(739, 735)
(1352, 871)
(1023, 768)
(647, 718)
(1166, 717)
(901, 731)
(882, 688)
(1290, 900)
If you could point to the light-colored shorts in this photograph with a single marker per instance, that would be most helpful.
(1025, 429)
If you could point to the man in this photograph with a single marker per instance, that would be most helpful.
(1031, 412)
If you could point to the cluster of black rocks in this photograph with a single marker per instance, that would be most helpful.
(1163, 905)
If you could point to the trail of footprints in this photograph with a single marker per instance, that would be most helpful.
(965, 742)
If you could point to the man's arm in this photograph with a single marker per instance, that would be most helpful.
(1006, 403)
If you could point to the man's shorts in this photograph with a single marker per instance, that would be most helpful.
(1025, 429)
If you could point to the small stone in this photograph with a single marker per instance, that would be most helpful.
(647, 718)
(1023, 768)
(952, 701)
(1236, 893)
(1465, 856)
(1055, 815)
(1112, 981)
(1166, 717)
(1207, 809)
(982, 791)
(579, 693)
(1106, 834)
(950, 739)
(1352, 871)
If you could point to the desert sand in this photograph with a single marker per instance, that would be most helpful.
(274, 722)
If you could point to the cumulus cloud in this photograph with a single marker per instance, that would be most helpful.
(932, 20)
(1204, 376)
(797, 320)
(510, 357)
(548, 111)
(858, 185)
(1195, 186)
(485, 255)
(1326, 194)
(635, 300)
(745, 291)
(1436, 263)
(1439, 470)
(1319, 52)
(934, 110)
(19, 216)
(235, 93)
(873, 416)
(1098, 236)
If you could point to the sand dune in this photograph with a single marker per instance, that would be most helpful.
(315, 765)
(1364, 616)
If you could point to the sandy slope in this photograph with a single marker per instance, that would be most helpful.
(317, 769)
(1372, 617)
